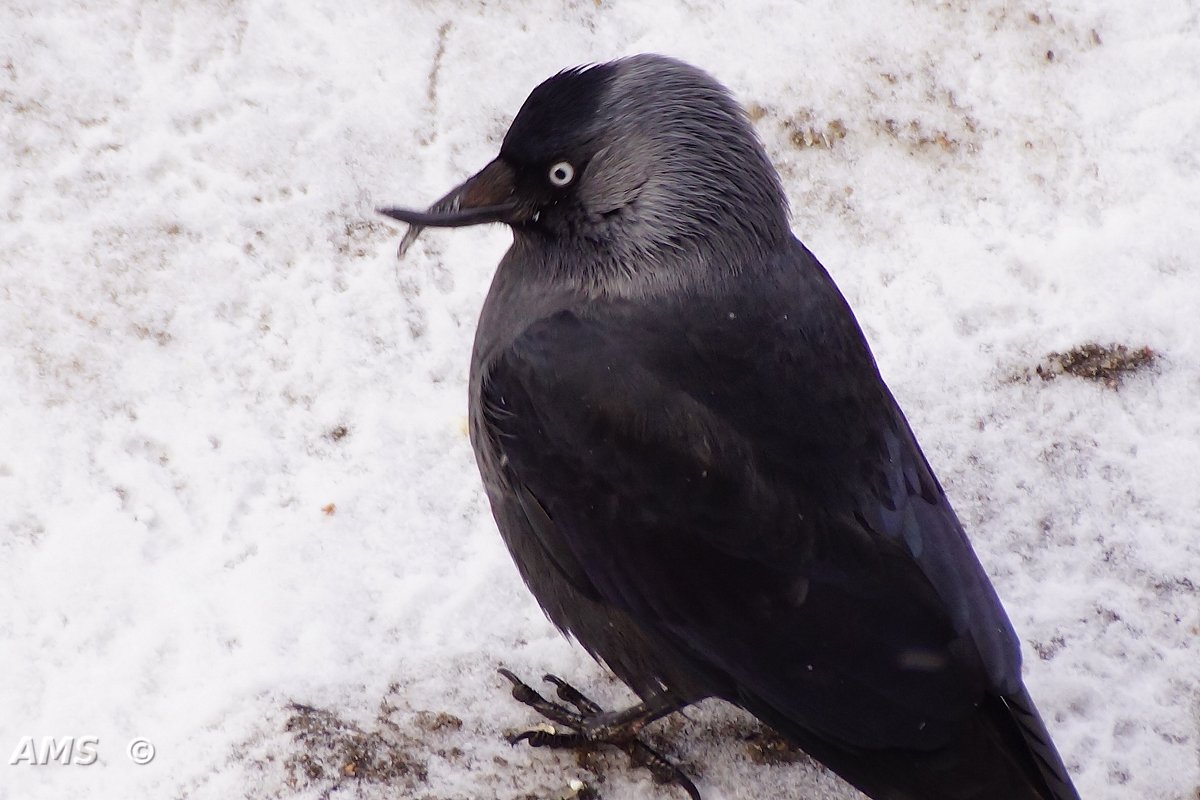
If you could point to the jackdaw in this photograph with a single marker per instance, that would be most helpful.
(697, 468)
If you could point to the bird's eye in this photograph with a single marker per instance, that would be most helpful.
(562, 173)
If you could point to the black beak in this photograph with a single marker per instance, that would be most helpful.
(487, 196)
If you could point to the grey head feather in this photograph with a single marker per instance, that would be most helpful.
(679, 188)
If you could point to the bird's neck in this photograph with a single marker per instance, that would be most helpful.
(634, 257)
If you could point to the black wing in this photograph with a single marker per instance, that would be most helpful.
(733, 475)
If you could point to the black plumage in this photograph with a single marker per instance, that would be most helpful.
(696, 465)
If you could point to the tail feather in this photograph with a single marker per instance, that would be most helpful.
(1003, 752)
(1036, 738)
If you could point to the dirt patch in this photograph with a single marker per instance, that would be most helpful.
(333, 752)
(765, 746)
(1105, 364)
(805, 130)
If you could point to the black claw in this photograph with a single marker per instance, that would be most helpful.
(592, 726)
(523, 736)
(685, 783)
(524, 693)
(569, 694)
(519, 686)
(661, 770)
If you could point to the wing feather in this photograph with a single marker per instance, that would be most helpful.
(773, 521)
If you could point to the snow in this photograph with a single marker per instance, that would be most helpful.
(234, 475)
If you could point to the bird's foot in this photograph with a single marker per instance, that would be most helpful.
(590, 725)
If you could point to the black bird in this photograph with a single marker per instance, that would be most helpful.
(697, 467)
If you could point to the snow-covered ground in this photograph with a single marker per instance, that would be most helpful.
(239, 515)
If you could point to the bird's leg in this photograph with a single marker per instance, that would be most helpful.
(591, 725)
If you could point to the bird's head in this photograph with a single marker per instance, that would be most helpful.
(642, 160)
